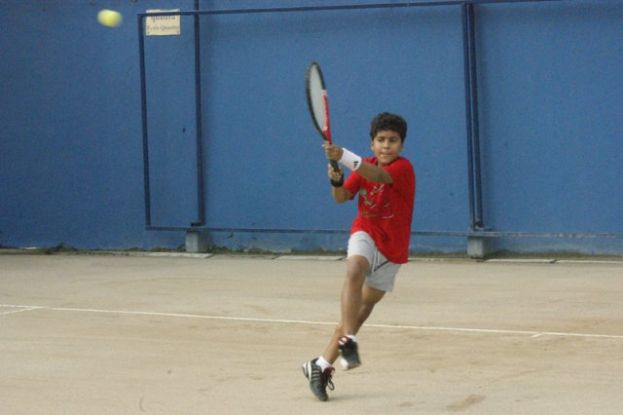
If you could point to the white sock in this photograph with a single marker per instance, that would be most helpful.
(323, 363)
(352, 337)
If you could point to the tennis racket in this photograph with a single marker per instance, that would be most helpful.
(318, 103)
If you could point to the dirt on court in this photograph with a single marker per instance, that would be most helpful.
(111, 334)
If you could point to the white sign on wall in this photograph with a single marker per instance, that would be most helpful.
(162, 25)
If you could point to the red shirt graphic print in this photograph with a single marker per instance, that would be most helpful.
(385, 211)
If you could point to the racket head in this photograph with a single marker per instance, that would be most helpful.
(317, 100)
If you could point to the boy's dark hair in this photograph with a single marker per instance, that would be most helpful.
(389, 121)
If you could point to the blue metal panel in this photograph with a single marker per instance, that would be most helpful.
(257, 126)
(552, 102)
(172, 127)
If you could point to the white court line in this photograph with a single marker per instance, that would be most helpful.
(20, 308)
(532, 334)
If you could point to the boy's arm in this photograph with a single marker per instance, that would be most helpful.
(367, 170)
(339, 193)
(374, 173)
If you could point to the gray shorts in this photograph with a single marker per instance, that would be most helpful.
(382, 272)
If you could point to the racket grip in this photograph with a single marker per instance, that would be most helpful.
(334, 165)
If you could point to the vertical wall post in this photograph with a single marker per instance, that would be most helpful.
(195, 241)
(476, 245)
(141, 51)
(199, 121)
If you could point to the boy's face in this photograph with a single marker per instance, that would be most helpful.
(386, 146)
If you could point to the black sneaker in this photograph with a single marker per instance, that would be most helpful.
(348, 351)
(319, 380)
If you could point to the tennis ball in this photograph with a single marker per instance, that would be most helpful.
(109, 18)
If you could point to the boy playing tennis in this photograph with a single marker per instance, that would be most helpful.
(379, 240)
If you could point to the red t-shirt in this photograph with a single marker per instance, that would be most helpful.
(385, 210)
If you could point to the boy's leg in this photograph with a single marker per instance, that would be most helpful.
(370, 296)
(319, 374)
(356, 269)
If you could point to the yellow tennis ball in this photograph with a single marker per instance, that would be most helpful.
(109, 18)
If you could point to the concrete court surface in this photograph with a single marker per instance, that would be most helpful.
(96, 334)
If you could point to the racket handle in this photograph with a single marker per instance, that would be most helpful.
(334, 165)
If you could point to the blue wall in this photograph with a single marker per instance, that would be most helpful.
(71, 166)
(552, 119)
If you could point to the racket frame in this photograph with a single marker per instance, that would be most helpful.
(323, 130)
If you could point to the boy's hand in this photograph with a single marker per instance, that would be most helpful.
(334, 175)
(332, 151)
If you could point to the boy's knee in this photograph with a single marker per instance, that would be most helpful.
(365, 311)
(366, 308)
(357, 267)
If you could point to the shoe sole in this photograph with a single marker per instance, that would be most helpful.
(346, 365)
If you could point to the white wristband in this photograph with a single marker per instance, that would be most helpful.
(350, 159)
